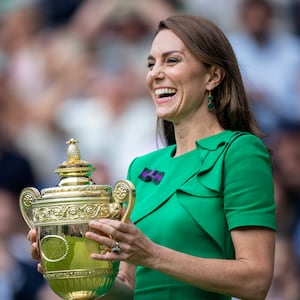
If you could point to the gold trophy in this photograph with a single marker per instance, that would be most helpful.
(61, 215)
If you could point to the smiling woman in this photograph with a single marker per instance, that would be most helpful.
(205, 201)
(179, 82)
(208, 45)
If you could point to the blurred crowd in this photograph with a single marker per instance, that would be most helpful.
(76, 69)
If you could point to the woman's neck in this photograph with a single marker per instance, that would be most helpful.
(186, 133)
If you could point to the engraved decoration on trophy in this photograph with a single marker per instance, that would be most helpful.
(61, 215)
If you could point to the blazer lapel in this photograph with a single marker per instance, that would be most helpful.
(150, 196)
(179, 170)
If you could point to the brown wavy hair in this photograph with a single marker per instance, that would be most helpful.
(208, 44)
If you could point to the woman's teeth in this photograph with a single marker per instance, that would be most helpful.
(165, 92)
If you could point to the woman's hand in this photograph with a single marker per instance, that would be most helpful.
(35, 252)
(135, 247)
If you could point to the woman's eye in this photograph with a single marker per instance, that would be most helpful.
(150, 65)
(172, 60)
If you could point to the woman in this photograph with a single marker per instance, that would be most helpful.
(204, 221)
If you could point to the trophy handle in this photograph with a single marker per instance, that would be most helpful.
(124, 192)
(26, 199)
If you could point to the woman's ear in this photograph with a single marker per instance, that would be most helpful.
(216, 76)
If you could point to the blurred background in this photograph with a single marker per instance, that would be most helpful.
(76, 68)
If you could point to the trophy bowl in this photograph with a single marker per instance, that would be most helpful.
(61, 215)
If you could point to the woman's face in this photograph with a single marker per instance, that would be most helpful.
(176, 79)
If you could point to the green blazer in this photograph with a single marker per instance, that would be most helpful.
(190, 203)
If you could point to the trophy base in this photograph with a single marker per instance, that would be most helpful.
(82, 284)
(81, 295)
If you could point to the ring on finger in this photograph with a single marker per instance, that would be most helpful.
(116, 248)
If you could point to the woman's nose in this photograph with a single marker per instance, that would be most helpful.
(157, 72)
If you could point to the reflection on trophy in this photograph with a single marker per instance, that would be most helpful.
(61, 215)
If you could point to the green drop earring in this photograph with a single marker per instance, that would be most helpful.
(210, 104)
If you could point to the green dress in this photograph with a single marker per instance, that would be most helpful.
(191, 202)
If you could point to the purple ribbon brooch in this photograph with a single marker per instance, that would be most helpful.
(151, 175)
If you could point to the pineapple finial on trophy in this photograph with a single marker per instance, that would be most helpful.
(74, 171)
(73, 151)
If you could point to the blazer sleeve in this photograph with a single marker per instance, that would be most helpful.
(248, 185)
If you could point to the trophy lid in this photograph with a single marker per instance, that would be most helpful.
(74, 171)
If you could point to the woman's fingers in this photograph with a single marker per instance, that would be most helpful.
(39, 268)
(35, 253)
(101, 239)
(32, 237)
(109, 226)
(112, 236)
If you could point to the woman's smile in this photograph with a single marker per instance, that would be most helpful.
(164, 94)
